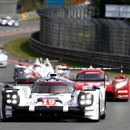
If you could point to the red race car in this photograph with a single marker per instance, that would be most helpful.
(118, 88)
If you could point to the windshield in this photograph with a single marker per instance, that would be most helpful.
(91, 76)
(37, 66)
(52, 87)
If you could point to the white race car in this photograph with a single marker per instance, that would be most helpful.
(33, 72)
(59, 70)
(54, 96)
(3, 59)
(8, 21)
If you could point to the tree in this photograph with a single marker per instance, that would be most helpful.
(125, 2)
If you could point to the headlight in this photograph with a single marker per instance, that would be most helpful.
(89, 96)
(14, 96)
(85, 99)
(8, 101)
(26, 71)
(60, 71)
(88, 102)
(14, 101)
(82, 102)
(121, 84)
(8, 95)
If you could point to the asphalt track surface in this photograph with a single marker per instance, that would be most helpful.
(117, 118)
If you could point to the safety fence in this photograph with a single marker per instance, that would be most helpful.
(71, 34)
(78, 56)
(97, 35)
(84, 10)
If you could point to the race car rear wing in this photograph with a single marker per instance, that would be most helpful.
(91, 68)
(30, 79)
(88, 79)
(32, 61)
(25, 79)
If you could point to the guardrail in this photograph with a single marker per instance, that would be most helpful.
(28, 15)
(71, 33)
(83, 57)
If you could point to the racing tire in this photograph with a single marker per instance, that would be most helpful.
(15, 82)
(125, 100)
(97, 120)
(2, 112)
(104, 115)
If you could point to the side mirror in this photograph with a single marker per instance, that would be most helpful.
(8, 86)
(5, 53)
(65, 76)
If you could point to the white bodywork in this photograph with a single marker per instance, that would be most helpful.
(3, 59)
(90, 112)
(61, 72)
(44, 69)
(9, 21)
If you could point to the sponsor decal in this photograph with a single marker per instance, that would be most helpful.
(122, 91)
(92, 84)
(68, 103)
(80, 84)
(108, 83)
(50, 98)
(48, 102)
(122, 95)
(31, 102)
(119, 80)
(84, 87)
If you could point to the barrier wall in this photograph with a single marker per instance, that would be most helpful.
(71, 33)
(78, 56)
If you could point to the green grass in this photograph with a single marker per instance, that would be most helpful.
(20, 48)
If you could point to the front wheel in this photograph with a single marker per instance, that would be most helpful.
(104, 112)
(15, 82)
(2, 111)
(98, 119)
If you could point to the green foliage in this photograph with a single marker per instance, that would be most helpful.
(126, 2)
(29, 5)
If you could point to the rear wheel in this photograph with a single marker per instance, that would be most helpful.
(15, 82)
(15, 75)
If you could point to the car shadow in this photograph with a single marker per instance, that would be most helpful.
(48, 119)
(117, 100)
